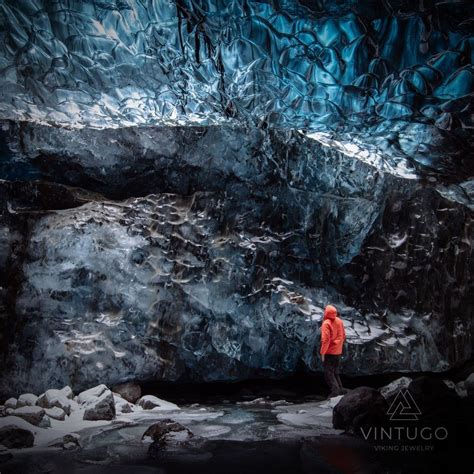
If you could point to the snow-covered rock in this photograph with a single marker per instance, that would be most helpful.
(67, 392)
(11, 403)
(98, 403)
(55, 398)
(32, 414)
(263, 402)
(122, 405)
(150, 402)
(56, 413)
(27, 400)
(92, 393)
(68, 441)
(390, 390)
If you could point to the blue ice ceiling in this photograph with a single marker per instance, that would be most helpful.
(398, 74)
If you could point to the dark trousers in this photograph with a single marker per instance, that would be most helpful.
(331, 373)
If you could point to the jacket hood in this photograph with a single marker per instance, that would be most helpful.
(330, 312)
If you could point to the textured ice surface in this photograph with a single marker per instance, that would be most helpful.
(399, 74)
(225, 275)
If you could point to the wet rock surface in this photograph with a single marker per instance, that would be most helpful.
(362, 407)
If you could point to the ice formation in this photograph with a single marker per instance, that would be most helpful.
(185, 185)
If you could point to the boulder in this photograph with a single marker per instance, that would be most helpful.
(68, 442)
(26, 400)
(390, 391)
(430, 392)
(440, 406)
(89, 395)
(67, 392)
(150, 402)
(11, 403)
(360, 408)
(3, 411)
(461, 389)
(469, 385)
(12, 436)
(56, 413)
(166, 433)
(128, 391)
(98, 403)
(157, 431)
(31, 414)
(55, 398)
(121, 405)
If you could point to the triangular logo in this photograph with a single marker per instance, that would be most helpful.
(403, 407)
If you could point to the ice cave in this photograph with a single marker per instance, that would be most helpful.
(186, 187)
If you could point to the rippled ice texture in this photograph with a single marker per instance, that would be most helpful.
(393, 69)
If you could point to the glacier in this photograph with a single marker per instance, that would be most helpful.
(186, 184)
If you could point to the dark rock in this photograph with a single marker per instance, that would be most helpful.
(158, 430)
(68, 442)
(101, 407)
(469, 385)
(5, 454)
(150, 402)
(129, 391)
(167, 435)
(360, 408)
(12, 436)
(430, 393)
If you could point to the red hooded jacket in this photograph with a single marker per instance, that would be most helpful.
(333, 334)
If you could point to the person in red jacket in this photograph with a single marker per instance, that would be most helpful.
(333, 336)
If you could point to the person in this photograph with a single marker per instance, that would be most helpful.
(333, 336)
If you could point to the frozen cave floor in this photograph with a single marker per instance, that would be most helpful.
(288, 430)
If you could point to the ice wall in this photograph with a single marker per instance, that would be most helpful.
(216, 256)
